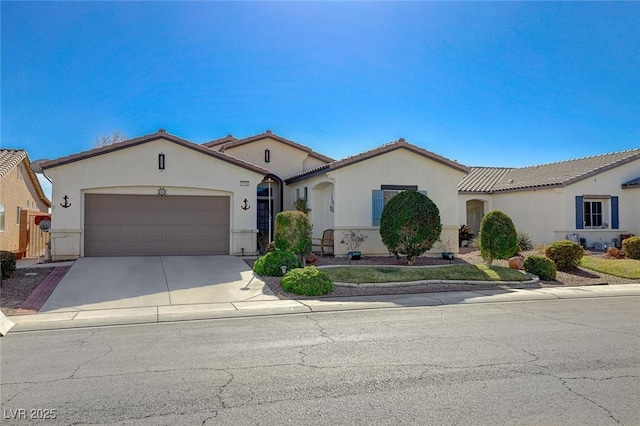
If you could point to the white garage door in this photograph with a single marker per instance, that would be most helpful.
(149, 225)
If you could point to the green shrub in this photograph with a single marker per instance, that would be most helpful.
(565, 254)
(293, 232)
(269, 265)
(498, 238)
(464, 234)
(410, 224)
(308, 281)
(541, 266)
(7, 263)
(631, 247)
(525, 243)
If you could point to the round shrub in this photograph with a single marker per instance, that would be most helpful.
(410, 224)
(269, 265)
(308, 281)
(498, 238)
(541, 266)
(565, 254)
(7, 263)
(631, 247)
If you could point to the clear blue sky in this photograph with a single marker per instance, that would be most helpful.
(496, 84)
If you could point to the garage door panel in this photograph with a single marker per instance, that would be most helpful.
(117, 225)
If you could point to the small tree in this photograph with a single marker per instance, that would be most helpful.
(105, 140)
(293, 232)
(410, 224)
(497, 237)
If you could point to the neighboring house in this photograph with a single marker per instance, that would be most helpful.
(20, 194)
(160, 194)
(597, 198)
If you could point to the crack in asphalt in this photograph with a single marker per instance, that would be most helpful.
(323, 333)
(580, 324)
(563, 382)
(222, 389)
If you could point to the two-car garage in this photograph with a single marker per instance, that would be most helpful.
(156, 195)
(151, 225)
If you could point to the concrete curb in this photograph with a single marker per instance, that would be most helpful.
(174, 313)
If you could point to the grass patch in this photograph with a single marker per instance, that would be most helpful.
(381, 274)
(624, 268)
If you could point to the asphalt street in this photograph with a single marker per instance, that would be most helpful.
(555, 362)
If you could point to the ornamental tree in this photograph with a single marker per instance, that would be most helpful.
(410, 224)
(498, 238)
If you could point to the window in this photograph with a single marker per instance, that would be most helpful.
(597, 212)
(1, 216)
(18, 211)
(380, 198)
(593, 214)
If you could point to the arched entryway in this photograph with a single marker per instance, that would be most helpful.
(475, 212)
(269, 205)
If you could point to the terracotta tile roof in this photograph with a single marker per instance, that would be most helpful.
(635, 183)
(231, 142)
(220, 141)
(160, 134)
(392, 146)
(493, 179)
(10, 158)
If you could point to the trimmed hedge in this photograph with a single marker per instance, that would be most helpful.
(308, 281)
(541, 266)
(7, 263)
(410, 224)
(269, 265)
(631, 247)
(497, 237)
(565, 254)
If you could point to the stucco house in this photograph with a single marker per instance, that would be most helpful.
(160, 194)
(594, 199)
(20, 195)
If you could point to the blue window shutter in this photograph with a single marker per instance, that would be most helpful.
(615, 220)
(423, 192)
(579, 212)
(377, 198)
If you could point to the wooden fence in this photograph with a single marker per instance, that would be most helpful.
(32, 241)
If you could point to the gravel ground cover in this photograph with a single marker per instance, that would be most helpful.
(15, 290)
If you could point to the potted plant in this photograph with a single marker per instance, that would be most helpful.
(353, 239)
(464, 236)
(446, 246)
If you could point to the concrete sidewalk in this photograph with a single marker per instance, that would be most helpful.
(189, 312)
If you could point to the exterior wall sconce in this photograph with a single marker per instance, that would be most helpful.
(162, 192)
(161, 161)
(267, 155)
(283, 269)
(246, 205)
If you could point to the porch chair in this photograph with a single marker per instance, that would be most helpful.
(324, 244)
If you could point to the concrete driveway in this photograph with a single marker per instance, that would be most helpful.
(131, 282)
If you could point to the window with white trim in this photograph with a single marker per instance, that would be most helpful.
(593, 214)
(597, 212)
(1, 216)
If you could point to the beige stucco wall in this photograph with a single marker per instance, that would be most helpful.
(285, 160)
(17, 190)
(134, 170)
(352, 187)
(549, 214)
